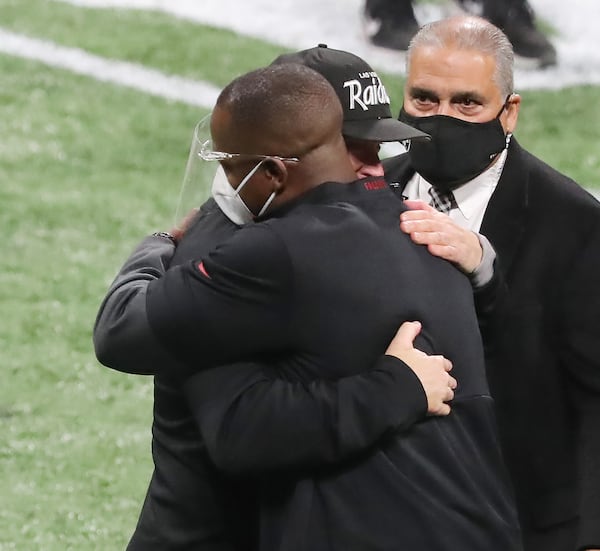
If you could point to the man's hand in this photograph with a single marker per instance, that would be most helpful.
(443, 237)
(432, 371)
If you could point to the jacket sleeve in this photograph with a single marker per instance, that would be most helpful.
(488, 300)
(253, 421)
(240, 292)
(122, 337)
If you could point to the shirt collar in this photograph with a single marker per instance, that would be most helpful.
(471, 195)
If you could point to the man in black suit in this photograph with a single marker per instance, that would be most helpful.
(324, 269)
(541, 348)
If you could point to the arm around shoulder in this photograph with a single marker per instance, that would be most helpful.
(253, 421)
(122, 337)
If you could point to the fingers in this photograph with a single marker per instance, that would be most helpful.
(426, 231)
(442, 410)
(414, 204)
(434, 374)
(443, 238)
(404, 337)
(432, 371)
(424, 224)
(439, 405)
(447, 365)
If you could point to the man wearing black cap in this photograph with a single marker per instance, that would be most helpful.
(363, 96)
(188, 500)
(367, 117)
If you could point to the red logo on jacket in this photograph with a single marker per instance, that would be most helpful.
(372, 185)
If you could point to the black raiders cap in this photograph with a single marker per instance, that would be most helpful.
(367, 113)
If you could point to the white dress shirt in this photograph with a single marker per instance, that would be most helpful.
(472, 198)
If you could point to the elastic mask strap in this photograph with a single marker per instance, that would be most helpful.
(266, 205)
(509, 134)
(247, 177)
(504, 106)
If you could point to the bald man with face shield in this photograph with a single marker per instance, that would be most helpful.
(188, 503)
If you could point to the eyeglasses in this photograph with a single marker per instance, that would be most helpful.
(206, 153)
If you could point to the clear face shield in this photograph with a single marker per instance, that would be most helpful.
(199, 175)
(204, 178)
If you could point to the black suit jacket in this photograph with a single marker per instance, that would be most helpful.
(542, 347)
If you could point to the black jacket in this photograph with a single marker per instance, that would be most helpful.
(542, 349)
(189, 504)
(323, 289)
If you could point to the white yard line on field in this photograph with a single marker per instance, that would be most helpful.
(122, 73)
(302, 24)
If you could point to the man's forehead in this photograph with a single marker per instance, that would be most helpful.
(450, 71)
(225, 134)
(220, 119)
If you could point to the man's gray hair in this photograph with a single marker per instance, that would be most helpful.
(470, 33)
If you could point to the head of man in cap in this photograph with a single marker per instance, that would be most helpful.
(368, 120)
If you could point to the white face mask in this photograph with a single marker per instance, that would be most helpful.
(229, 199)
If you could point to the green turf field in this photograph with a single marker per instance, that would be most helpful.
(87, 169)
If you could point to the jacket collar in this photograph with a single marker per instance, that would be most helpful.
(505, 218)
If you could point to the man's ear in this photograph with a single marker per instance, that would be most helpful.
(512, 112)
(276, 171)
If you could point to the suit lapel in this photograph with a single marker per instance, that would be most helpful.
(398, 172)
(505, 217)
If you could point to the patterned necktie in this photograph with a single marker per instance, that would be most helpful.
(443, 201)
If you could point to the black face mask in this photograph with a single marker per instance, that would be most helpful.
(458, 151)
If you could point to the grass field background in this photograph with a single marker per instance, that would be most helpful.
(87, 169)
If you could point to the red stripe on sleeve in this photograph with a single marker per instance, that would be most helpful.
(203, 269)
